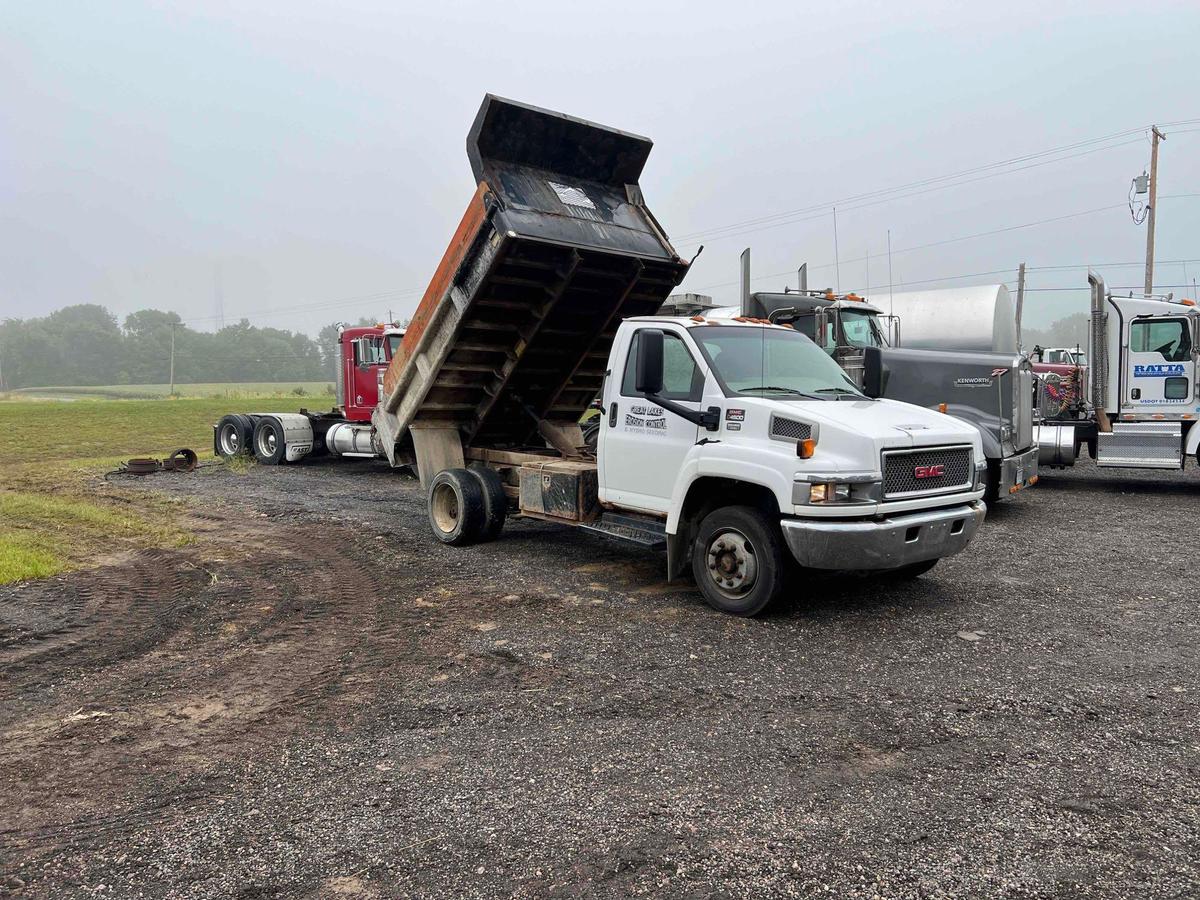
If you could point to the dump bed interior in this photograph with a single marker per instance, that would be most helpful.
(555, 249)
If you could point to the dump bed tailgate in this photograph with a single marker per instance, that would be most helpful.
(556, 247)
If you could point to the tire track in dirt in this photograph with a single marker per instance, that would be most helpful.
(96, 618)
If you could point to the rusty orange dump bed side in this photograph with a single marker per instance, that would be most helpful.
(555, 248)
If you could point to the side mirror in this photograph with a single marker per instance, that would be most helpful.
(821, 328)
(649, 372)
(875, 373)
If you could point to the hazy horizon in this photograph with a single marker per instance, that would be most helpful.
(308, 165)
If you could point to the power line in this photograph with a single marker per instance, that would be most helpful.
(951, 240)
(802, 215)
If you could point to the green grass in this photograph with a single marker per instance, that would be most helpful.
(43, 534)
(55, 513)
(260, 389)
(103, 432)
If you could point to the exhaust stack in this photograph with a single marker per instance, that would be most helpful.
(1098, 351)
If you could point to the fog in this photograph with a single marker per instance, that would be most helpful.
(297, 165)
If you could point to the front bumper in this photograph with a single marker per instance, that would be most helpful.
(1019, 471)
(883, 543)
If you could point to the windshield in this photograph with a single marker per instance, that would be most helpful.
(860, 329)
(772, 361)
(394, 344)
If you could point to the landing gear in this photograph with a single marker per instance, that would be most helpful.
(738, 560)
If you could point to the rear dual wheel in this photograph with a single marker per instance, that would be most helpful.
(467, 506)
(235, 435)
(269, 444)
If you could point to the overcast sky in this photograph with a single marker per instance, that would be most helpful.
(306, 161)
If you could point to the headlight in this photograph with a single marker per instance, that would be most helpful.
(831, 492)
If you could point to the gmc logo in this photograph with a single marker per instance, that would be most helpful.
(929, 471)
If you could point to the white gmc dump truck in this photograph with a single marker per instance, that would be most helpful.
(738, 446)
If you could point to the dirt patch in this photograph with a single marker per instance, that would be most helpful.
(316, 699)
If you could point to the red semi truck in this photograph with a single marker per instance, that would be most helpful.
(363, 355)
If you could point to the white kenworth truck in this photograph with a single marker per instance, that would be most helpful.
(1136, 404)
(737, 446)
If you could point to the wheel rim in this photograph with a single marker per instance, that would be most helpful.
(267, 442)
(231, 441)
(732, 564)
(444, 506)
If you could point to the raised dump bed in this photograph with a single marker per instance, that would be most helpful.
(510, 341)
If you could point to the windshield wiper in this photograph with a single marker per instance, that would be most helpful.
(784, 390)
(839, 391)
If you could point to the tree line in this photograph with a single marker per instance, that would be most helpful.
(86, 345)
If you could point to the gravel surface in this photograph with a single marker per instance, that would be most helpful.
(316, 699)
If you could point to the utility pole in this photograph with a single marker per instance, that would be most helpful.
(1155, 138)
(171, 392)
(1020, 300)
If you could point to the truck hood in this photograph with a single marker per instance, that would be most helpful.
(851, 434)
(888, 422)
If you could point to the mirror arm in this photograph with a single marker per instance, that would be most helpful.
(709, 419)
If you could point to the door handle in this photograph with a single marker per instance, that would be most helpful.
(612, 415)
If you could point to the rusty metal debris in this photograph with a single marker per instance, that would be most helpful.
(182, 460)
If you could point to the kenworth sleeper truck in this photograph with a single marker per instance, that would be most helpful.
(739, 447)
(991, 391)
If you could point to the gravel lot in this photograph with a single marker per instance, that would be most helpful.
(316, 699)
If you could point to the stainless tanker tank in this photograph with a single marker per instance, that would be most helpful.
(982, 317)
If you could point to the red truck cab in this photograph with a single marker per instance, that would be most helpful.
(363, 356)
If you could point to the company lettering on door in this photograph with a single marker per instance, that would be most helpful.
(1160, 371)
(646, 420)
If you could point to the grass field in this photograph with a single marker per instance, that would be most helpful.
(278, 389)
(55, 511)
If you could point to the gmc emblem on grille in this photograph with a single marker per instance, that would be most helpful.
(929, 471)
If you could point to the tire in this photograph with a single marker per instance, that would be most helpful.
(457, 509)
(738, 560)
(233, 436)
(909, 572)
(495, 502)
(269, 446)
(591, 434)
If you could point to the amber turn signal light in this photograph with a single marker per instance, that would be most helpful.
(942, 407)
(806, 448)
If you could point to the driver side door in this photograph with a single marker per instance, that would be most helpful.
(1161, 368)
(643, 446)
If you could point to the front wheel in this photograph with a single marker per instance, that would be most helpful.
(738, 560)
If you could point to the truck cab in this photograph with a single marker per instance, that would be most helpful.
(991, 391)
(363, 356)
(757, 417)
(1140, 401)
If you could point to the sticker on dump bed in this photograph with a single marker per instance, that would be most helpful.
(571, 196)
(735, 415)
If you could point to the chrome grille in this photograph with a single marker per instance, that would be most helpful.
(900, 471)
(790, 429)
